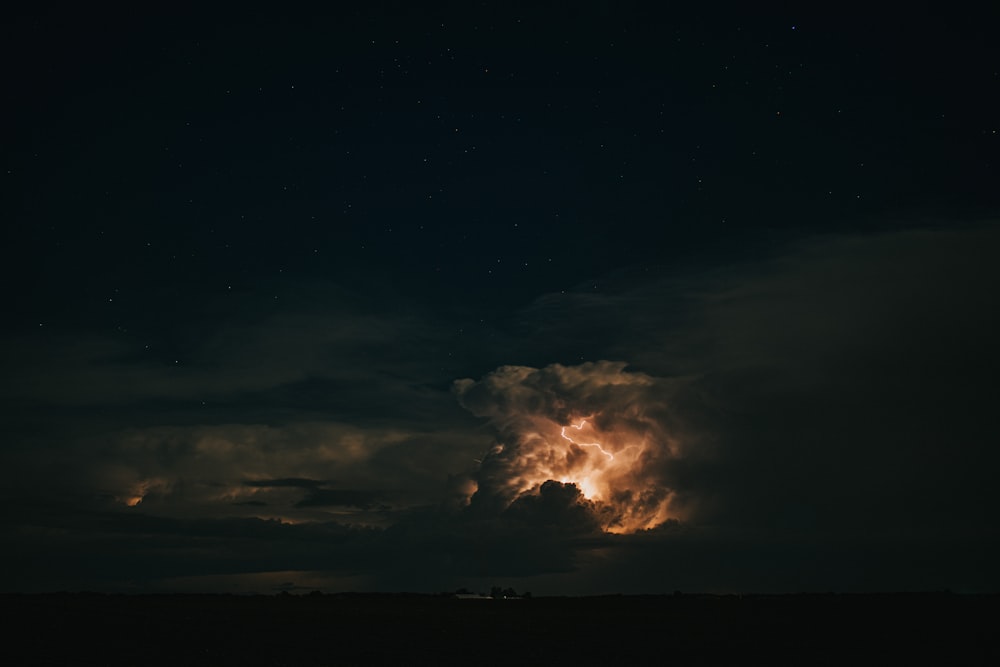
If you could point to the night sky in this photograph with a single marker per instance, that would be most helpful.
(580, 298)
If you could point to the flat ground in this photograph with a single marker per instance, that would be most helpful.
(355, 629)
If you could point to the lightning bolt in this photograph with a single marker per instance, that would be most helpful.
(611, 457)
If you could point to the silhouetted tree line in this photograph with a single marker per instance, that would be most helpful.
(497, 593)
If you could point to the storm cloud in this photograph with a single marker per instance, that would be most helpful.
(827, 409)
(596, 426)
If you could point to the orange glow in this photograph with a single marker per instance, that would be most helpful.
(611, 457)
(597, 426)
(607, 466)
(138, 491)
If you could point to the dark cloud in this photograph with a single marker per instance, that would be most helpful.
(822, 415)
(556, 506)
(294, 482)
(849, 386)
(318, 494)
(833, 399)
(339, 498)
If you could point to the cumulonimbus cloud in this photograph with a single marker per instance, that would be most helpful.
(597, 426)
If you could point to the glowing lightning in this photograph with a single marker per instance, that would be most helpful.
(611, 457)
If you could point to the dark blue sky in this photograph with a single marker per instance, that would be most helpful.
(248, 256)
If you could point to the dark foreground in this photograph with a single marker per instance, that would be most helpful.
(90, 629)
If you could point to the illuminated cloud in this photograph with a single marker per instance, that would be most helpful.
(595, 426)
(305, 471)
(811, 412)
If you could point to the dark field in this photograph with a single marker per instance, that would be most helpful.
(349, 629)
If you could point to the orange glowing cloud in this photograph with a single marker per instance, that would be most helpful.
(593, 426)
